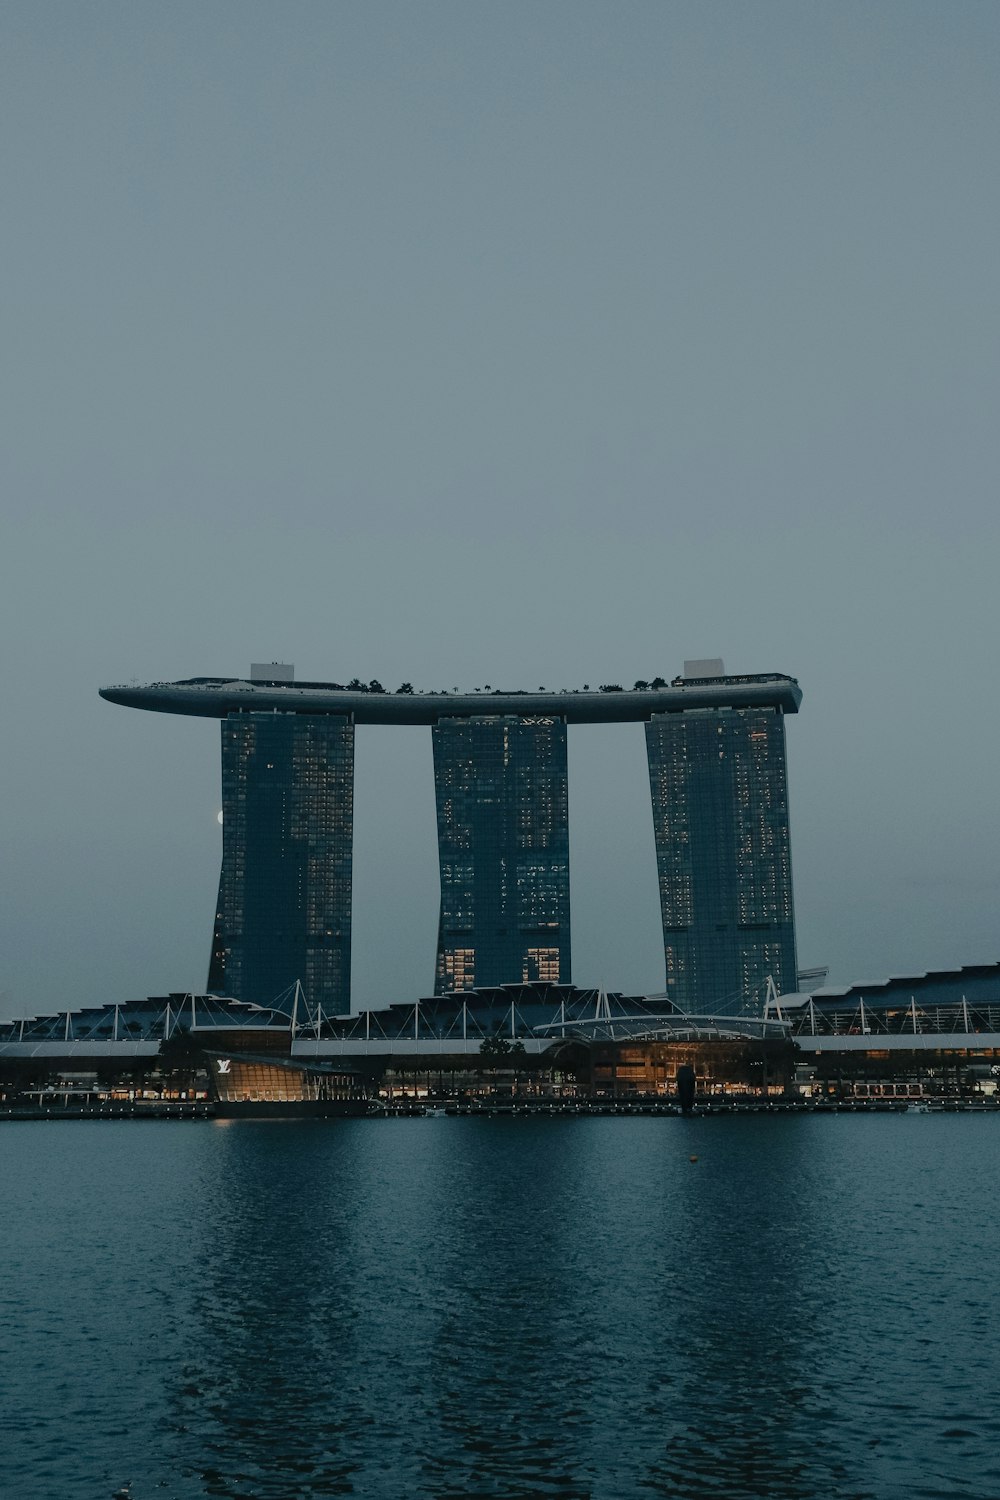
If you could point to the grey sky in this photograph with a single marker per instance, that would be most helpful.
(531, 344)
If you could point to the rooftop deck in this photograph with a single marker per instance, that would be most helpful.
(214, 698)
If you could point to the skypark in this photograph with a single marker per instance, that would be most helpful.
(217, 697)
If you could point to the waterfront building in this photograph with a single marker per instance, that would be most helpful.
(284, 907)
(720, 819)
(936, 1033)
(503, 844)
(717, 772)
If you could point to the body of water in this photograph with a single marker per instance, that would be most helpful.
(445, 1309)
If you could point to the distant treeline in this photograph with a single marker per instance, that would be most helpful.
(357, 686)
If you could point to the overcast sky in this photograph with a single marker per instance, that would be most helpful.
(524, 343)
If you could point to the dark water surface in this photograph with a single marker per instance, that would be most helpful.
(459, 1308)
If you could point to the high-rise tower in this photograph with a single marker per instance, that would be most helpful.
(720, 817)
(503, 845)
(720, 808)
(284, 908)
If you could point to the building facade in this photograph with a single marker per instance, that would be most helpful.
(934, 1034)
(720, 818)
(716, 755)
(284, 907)
(503, 846)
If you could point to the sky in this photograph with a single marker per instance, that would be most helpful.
(522, 343)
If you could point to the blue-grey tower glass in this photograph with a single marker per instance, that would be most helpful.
(720, 817)
(717, 770)
(284, 909)
(503, 844)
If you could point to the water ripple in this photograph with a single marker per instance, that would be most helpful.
(490, 1310)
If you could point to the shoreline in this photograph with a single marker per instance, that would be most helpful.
(523, 1109)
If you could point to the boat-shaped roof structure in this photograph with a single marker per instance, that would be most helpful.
(216, 697)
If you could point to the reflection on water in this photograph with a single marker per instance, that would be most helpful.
(454, 1309)
(740, 1327)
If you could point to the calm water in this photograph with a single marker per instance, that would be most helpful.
(503, 1308)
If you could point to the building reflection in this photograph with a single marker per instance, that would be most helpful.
(733, 1415)
(278, 1278)
(504, 1307)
